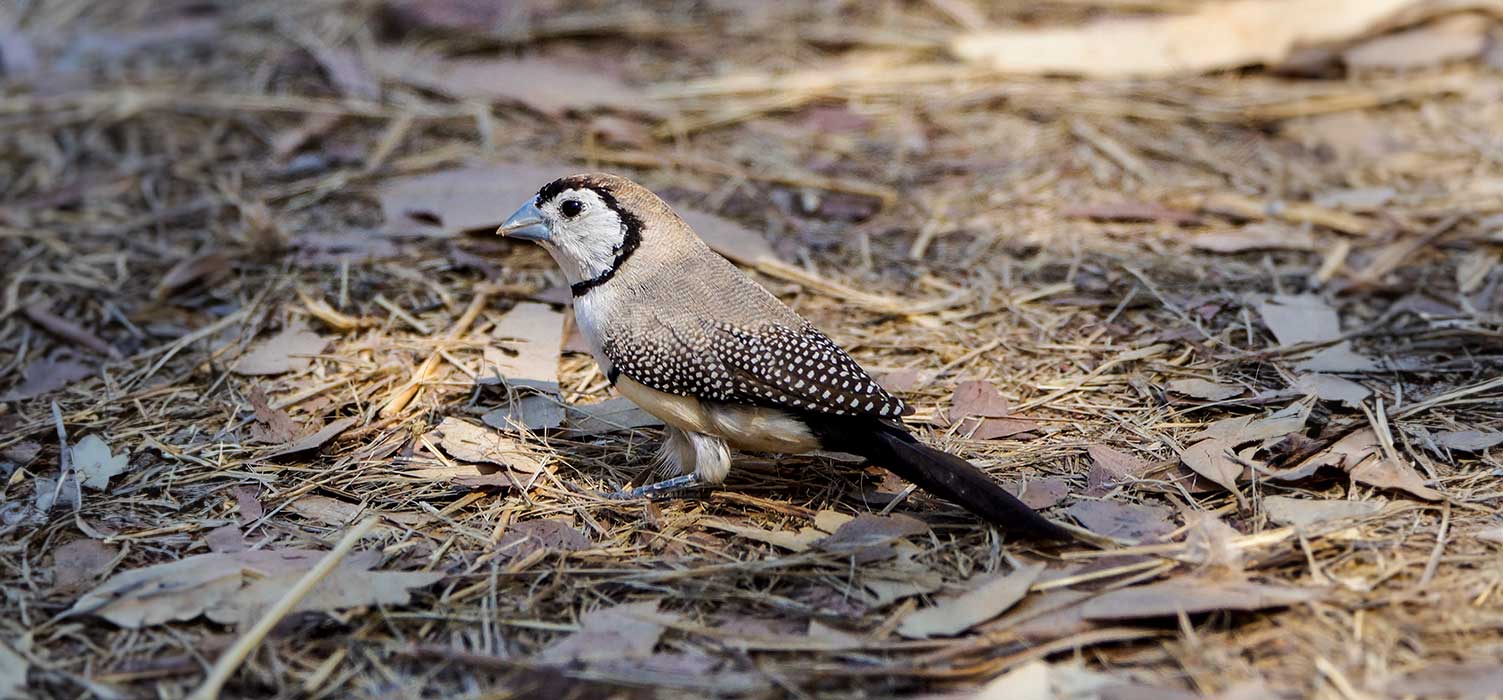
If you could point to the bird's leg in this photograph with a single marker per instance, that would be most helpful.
(675, 456)
(699, 460)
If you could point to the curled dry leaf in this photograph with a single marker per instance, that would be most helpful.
(272, 425)
(1214, 460)
(466, 441)
(627, 631)
(288, 351)
(868, 530)
(526, 344)
(1304, 512)
(232, 587)
(977, 399)
(94, 462)
(1361, 455)
(77, 564)
(449, 202)
(1192, 595)
(45, 376)
(984, 602)
(550, 534)
(1203, 389)
(1214, 36)
(315, 440)
(1130, 521)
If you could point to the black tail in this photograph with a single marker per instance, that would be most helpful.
(935, 471)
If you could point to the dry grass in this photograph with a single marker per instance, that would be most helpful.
(114, 172)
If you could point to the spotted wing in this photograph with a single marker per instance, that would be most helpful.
(800, 369)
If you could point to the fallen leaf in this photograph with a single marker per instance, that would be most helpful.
(1361, 455)
(288, 351)
(468, 442)
(984, 602)
(337, 513)
(1240, 430)
(1255, 236)
(607, 416)
(1469, 681)
(94, 462)
(233, 587)
(1339, 358)
(1304, 512)
(1213, 460)
(1211, 544)
(627, 631)
(551, 87)
(226, 539)
(13, 668)
(1360, 199)
(316, 440)
(1468, 440)
(1129, 521)
(1192, 595)
(1331, 388)
(1039, 494)
(902, 381)
(75, 565)
(50, 493)
(1303, 318)
(203, 267)
(833, 636)
(732, 240)
(979, 399)
(886, 591)
(1453, 38)
(1203, 389)
(868, 530)
(45, 376)
(536, 412)
(449, 202)
(1133, 211)
(41, 314)
(527, 341)
(997, 428)
(550, 534)
(1110, 467)
(250, 506)
(1212, 36)
(787, 539)
(272, 425)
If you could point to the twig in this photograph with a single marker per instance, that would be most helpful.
(405, 395)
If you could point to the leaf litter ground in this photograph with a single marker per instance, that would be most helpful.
(1244, 329)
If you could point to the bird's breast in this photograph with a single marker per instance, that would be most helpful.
(590, 315)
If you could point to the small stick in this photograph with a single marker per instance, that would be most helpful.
(404, 396)
(226, 665)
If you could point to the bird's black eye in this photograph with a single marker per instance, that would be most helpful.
(571, 208)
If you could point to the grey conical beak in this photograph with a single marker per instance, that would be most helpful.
(527, 224)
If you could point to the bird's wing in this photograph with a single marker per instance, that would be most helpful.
(771, 365)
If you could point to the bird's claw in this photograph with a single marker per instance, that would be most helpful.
(677, 483)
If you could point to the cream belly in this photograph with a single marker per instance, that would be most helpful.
(752, 428)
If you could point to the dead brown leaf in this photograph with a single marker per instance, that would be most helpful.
(551, 87)
(250, 506)
(287, 351)
(1203, 389)
(315, 440)
(550, 534)
(203, 267)
(1304, 512)
(1192, 595)
(1469, 440)
(990, 598)
(865, 536)
(77, 564)
(977, 398)
(1039, 494)
(1129, 521)
(1213, 36)
(449, 202)
(1454, 38)
(233, 587)
(1110, 467)
(627, 631)
(607, 416)
(272, 425)
(1361, 455)
(466, 441)
(46, 375)
(1327, 387)
(1255, 236)
(527, 342)
(1213, 459)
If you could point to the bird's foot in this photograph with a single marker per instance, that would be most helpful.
(677, 483)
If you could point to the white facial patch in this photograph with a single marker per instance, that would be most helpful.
(583, 245)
